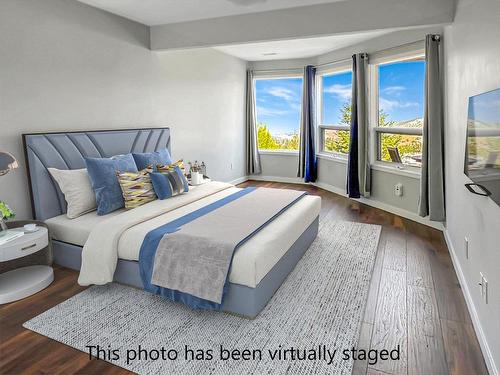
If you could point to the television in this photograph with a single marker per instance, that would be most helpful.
(482, 151)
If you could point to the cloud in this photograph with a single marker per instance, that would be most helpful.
(388, 105)
(283, 93)
(266, 111)
(341, 91)
(393, 90)
(291, 98)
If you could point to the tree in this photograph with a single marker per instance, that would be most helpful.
(292, 143)
(338, 140)
(265, 139)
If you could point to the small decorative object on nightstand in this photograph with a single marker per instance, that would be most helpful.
(197, 173)
(25, 281)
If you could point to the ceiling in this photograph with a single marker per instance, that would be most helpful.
(296, 48)
(160, 12)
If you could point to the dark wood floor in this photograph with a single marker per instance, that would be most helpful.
(414, 301)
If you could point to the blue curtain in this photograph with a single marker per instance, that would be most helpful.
(307, 153)
(358, 166)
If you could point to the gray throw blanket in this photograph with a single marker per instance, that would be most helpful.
(196, 259)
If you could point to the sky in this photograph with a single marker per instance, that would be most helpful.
(401, 90)
(337, 90)
(278, 104)
(401, 94)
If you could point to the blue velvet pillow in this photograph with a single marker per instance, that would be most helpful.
(102, 173)
(143, 160)
(169, 183)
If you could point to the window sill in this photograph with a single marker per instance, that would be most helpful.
(331, 156)
(408, 172)
(279, 152)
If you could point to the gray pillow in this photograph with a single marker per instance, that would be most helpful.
(77, 190)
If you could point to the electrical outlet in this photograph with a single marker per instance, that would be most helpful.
(466, 247)
(231, 166)
(398, 189)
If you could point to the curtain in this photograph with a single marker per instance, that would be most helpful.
(358, 166)
(253, 157)
(432, 180)
(307, 150)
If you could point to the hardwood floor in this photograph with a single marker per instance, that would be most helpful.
(415, 301)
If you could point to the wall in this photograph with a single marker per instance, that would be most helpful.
(67, 66)
(473, 66)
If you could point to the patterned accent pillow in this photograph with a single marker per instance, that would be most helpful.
(169, 180)
(137, 188)
(170, 167)
(165, 167)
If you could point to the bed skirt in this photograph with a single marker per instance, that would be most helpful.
(240, 299)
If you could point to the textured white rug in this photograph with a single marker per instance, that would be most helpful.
(319, 307)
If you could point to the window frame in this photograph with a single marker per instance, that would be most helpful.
(413, 52)
(328, 70)
(269, 75)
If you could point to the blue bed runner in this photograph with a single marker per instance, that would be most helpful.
(151, 242)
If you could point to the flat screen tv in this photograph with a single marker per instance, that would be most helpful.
(482, 152)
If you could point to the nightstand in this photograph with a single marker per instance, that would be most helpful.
(25, 281)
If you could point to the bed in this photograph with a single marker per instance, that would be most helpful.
(259, 266)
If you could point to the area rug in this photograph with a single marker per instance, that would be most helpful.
(314, 316)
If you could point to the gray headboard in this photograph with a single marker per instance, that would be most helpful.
(66, 151)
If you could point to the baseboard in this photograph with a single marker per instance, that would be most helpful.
(483, 343)
(384, 206)
(289, 180)
(370, 202)
(238, 180)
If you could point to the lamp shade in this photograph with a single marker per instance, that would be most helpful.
(7, 163)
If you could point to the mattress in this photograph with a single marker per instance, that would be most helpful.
(252, 261)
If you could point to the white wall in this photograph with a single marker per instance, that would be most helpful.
(473, 66)
(66, 66)
(205, 104)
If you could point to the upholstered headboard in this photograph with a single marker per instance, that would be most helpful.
(67, 150)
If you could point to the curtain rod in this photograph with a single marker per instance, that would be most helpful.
(339, 61)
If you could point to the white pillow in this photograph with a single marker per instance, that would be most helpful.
(77, 190)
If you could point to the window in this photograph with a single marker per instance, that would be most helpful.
(400, 110)
(335, 92)
(278, 102)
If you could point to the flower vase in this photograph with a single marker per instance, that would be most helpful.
(3, 227)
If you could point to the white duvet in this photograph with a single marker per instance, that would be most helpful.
(121, 234)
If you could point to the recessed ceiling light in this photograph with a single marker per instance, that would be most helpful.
(269, 54)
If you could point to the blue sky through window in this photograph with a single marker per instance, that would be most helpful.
(401, 90)
(401, 94)
(278, 103)
(337, 91)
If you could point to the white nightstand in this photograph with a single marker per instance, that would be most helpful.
(25, 281)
